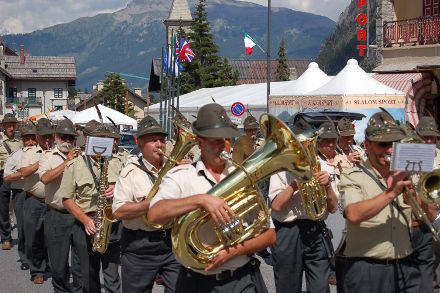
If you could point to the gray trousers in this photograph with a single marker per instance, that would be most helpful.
(246, 279)
(422, 240)
(58, 236)
(111, 260)
(36, 252)
(370, 275)
(300, 247)
(5, 196)
(144, 255)
(18, 198)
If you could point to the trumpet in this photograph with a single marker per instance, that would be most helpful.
(428, 190)
(361, 157)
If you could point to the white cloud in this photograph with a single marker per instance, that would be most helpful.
(22, 16)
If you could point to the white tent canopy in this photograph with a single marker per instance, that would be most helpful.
(90, 114)
(310, 80)
(353, 81)
(60, 115)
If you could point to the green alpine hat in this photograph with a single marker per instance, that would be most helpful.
(328, 130)
(114, 132)
(427, 127)
(251, 123)
(44, 127)
(9, 118)
(212, 121)
(66, 127)
(28, 129)
(382, 128)
(90, 126)
(149, 125)
(345, 127)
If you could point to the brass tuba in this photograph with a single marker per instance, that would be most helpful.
(184, 142)
(313, 195)
(281, 151)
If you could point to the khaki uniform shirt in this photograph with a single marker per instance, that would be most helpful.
(13, 144)
(32, 183)
(384, 236)
(49, 160)
(186, 180)
(133, 185)
(12, 165)
(78, 183)
(122, 155)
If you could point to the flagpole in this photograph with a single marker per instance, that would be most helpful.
(161, 90)
(268, 54)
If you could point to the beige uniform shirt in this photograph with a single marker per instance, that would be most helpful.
(384, 236)
(122, 155)
(133, 185)
(186, 180)
(32, 183)
(12, 165)
(49, 160)
(78, 183)
(13, 144)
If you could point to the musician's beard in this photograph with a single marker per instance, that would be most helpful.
(65, 147)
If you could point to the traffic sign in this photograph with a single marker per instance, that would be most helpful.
(237, 109)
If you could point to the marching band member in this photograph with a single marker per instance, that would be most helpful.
(79, 188)
(378, 245)
(145, 252)
(301, 244)
(8, 145)
(15, 178)
(183, 190)
(34, 206)
(246, 144)
(58, 222)
(348, 154)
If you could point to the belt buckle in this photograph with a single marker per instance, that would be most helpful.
(163, 233)
(224, 275)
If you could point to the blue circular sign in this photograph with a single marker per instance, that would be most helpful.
(237, 109)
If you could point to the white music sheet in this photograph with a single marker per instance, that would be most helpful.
(99, 146)
(412, 157)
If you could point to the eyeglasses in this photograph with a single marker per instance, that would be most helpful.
(67, 137)
(385, 144)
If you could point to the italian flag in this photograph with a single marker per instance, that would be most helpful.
(249, 43)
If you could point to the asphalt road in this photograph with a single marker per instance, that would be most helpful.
(12, 279)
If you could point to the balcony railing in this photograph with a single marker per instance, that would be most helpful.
(25, 100)
(409, 32)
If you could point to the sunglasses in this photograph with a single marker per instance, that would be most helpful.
(67, 137)
(385, 144)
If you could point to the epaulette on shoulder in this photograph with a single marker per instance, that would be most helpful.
(25, 149)
(350, 170)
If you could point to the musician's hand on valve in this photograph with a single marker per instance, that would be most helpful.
(399, 181)
(220, 212)
(109, 191)
(322, 177)
(220, 258)
(89, 226)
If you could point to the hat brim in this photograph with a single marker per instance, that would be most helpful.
(389, 137)
(329, 135)
(45, 132)
(347, 133)
(428, 133)
(220, 132)
(66, 132)
(252, 126)
(152, 130)
(28, 133)
(10, 121)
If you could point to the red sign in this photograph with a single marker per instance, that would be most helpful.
(237, 109)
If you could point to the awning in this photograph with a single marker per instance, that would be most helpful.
(416, 86)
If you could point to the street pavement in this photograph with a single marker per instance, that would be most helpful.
(12, 279)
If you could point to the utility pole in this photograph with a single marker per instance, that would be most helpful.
(268, 53)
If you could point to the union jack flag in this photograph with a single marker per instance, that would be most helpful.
(185, 52)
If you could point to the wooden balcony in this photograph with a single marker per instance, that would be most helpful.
(412, 32)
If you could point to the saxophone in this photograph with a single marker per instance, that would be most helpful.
(104, 217)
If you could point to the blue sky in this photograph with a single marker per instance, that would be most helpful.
(22, 16)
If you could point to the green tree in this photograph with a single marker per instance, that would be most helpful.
(207, 69)
(113, 94)
(72, 91)
(282, 73)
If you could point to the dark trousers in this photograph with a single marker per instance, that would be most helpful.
(89, 261)
(18, 198)
(372, 275)
(111, 260)
(58, 235)
(422, 240)
(300, 247)
(144, 255)
(36, 252)
(247, 279)
(5, 197)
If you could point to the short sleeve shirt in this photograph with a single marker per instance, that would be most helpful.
(12, 166)
(186, 180)
(32, 183)
(385, 235)
(13, 145)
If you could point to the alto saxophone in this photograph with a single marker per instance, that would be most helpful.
(104, 217)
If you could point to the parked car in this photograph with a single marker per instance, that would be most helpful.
(128, 141)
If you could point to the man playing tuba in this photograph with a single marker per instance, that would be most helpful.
(145, 252)
(301, 244)
(184, 190)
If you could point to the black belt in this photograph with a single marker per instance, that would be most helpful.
(294, 223)
(388, 261)
(35, 197)
(57, 210)
(225, 275)
(153, 234)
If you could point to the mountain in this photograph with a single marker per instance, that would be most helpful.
(127, 40)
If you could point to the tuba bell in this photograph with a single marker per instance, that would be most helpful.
(184, 142)
(281, 151)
